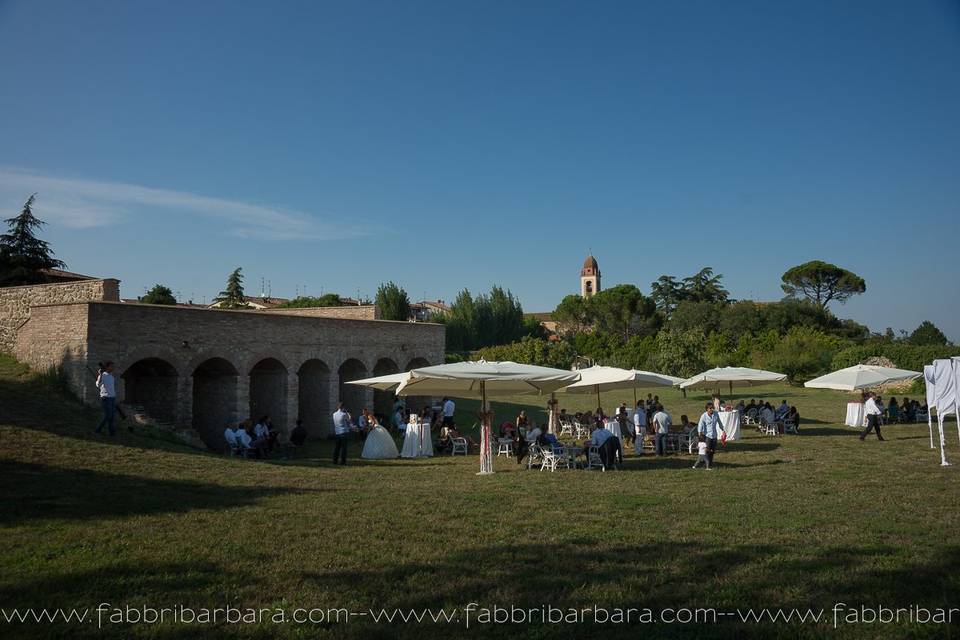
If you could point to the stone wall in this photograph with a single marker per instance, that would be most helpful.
(227, 365)
(15, 302)
(352, 312)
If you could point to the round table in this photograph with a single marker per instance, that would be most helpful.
(855, 415)
(730, 421)
(614, 427)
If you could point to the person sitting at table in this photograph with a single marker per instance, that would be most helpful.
(740, 406)
(782, 411)
(686, 425)
(793, 416)
(533, 434)
(752, 406)
(608, 446)
(908, 410)
(508, 429)
(766, 413)
(299, 434)
(893, 411)
(400, 420)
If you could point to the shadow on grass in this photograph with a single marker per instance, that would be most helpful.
(569, 575)
(36, 491)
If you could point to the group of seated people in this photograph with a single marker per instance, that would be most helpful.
(766, 414)
(905, 411)
(260, 437)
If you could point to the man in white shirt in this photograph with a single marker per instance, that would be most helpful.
(341, 433)
(448, 410)
(873, 416)
(662, 422)
(243, 438)
(106, 385)
(639, 427)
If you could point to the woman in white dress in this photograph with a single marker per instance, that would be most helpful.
(379, 444)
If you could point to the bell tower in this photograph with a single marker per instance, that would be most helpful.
(589, 277)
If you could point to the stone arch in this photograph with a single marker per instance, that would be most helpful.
(383, 400)
(214, 399)
(314, 397)
(415, 403)
(151, 383)
(354, 397)
(268, 391)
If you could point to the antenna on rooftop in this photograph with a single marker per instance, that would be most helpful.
(261, 288)
(269, 289)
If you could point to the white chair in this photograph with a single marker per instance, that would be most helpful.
(566, 429)
(770, 428)
(551, 458)
(594, 460)
(504, 447)
(459, 444)
(534, 455)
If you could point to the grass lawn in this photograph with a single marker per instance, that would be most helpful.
(793, 522)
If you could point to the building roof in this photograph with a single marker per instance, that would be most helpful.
(591, 263)
(59, 275)
(541, 316)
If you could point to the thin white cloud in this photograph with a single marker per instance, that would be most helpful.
(81, 204)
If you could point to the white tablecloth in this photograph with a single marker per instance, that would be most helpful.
(855, 415)
(731, 424)
(614, 427)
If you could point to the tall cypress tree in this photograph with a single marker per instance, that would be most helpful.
(232, 296)
(23, 256)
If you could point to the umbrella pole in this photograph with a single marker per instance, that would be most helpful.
(486, 457)
(731, 388)
(597, 387)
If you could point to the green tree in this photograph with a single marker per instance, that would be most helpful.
(573, 314)
(803, 353)
(507, 315)
(309, 302)
(667, 293)
(821, 282)
(680, 353)
(693, 315)
(159, 294)
(23, 256)
(461, 323)
(530, 351)
(392, 301)
(928, 334)
(704, 286)
(741, 317)
(624, 312)
(232, 296)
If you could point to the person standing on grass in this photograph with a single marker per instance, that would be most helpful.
(709, 427)
(873, 417)
(449, 408)
(662, 422)
(702, 449)
(341, 433)
(107, 386)
(639, 427)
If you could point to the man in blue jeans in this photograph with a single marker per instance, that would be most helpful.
(106, 384)
(709, 426)
(661, 422)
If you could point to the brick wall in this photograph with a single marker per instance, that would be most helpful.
(15, 302)
(56, 336)
(353, 312)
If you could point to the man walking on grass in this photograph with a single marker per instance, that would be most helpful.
(709, 427)
(106, 385)
(873, 416)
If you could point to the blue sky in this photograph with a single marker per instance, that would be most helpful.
(334, 146)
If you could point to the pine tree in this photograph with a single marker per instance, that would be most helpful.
(232, 296)
(23, 256)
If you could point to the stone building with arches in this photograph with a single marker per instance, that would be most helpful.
(205, 368)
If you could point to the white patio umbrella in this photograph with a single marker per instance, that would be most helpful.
(713, 378)
(599, 378)
(389, 382)
(481, 380)
(861, 376)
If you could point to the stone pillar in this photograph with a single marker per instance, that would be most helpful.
(334, 399)
(293, 401)
(243, 398)
(184, 409)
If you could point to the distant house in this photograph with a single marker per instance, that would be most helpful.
(256, 302)
(547, 322)
(423, 311)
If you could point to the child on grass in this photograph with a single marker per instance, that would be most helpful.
(702, 451)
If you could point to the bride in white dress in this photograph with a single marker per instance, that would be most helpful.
(379, 444)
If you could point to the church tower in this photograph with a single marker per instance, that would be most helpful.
(589, 277)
